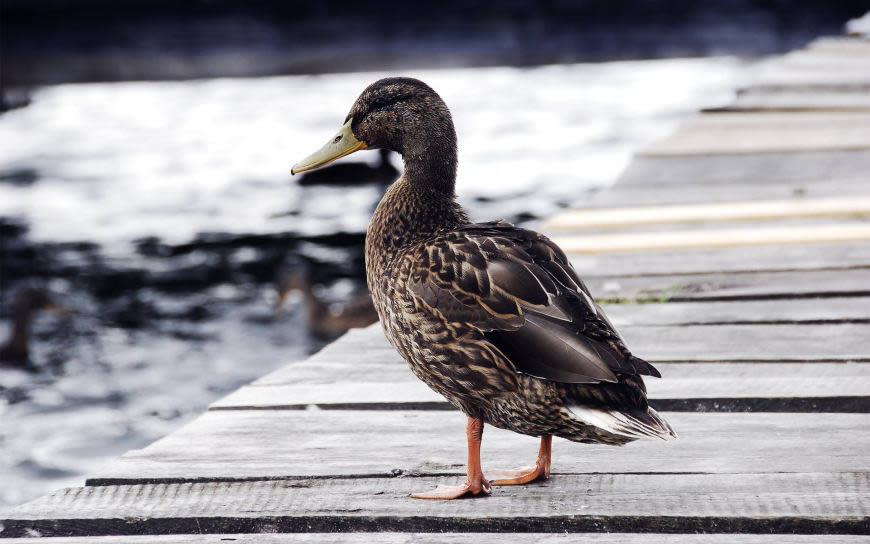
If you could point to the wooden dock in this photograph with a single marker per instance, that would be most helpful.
(735, 255)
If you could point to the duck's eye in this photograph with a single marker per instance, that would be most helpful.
(337, 139)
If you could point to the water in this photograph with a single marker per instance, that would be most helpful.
(178, 190)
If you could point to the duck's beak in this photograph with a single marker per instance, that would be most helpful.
(343, 143)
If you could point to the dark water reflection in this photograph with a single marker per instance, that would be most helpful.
(158, 214)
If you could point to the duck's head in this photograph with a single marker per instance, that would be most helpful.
(399, 114)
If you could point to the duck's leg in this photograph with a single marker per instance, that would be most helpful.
(541, 470)
(476, 484)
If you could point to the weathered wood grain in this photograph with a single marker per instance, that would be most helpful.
(833, 256)
(734, 285)
(257, 444)
(694, 343)
(411, 392)
(449, 538)
(794, 99)
(840, 45)
(452, 538)
(813, 78)
(816, 59)
(783, 503)
(340, 380)
(739, 133)
(784, 121)
(783, 343)
(689, 192)
(799, 310)
(751, 343)
(843, 68)
(723, 168)
(388, 367)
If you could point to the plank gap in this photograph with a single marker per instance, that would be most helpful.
(838, 404)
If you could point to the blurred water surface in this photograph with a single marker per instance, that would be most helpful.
(174, 192)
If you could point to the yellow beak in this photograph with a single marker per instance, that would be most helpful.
(343, 143)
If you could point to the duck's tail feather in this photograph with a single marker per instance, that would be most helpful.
(645, 368)
(636, 424)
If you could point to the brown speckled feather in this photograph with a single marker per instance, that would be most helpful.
(518, 288)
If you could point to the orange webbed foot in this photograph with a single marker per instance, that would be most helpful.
(541, 470)
(480, 488)
(520, 476)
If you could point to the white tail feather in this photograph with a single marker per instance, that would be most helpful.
(623, 424)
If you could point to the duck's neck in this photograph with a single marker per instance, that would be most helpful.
(430, 165)
(414, 208)
(422, 202)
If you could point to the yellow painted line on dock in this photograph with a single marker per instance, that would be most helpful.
(697, 213)
(648, 241)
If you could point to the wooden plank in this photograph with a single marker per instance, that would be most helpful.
(410, 392)
(699, 387)
(750, 343)
(732, 286)
(720, 237)
(261, 444)
(722, 503)
(621, 195)
(695, 343)
(391, 369)
(748, 312)
(807, 67)
(782, 121)
(752, 99)
(737, 133)
(343, 380)
(696, 213)
(813, 78)
(746, 259)
(840, 45)
(722, 168)
(783, 343)
(448, 538)
(388, 367)
(819, 59)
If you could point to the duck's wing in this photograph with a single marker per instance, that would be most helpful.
(520, 290)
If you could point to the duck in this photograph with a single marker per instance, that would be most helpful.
(354, 173)
(27, 302)
(324, 322)
(491, 316)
